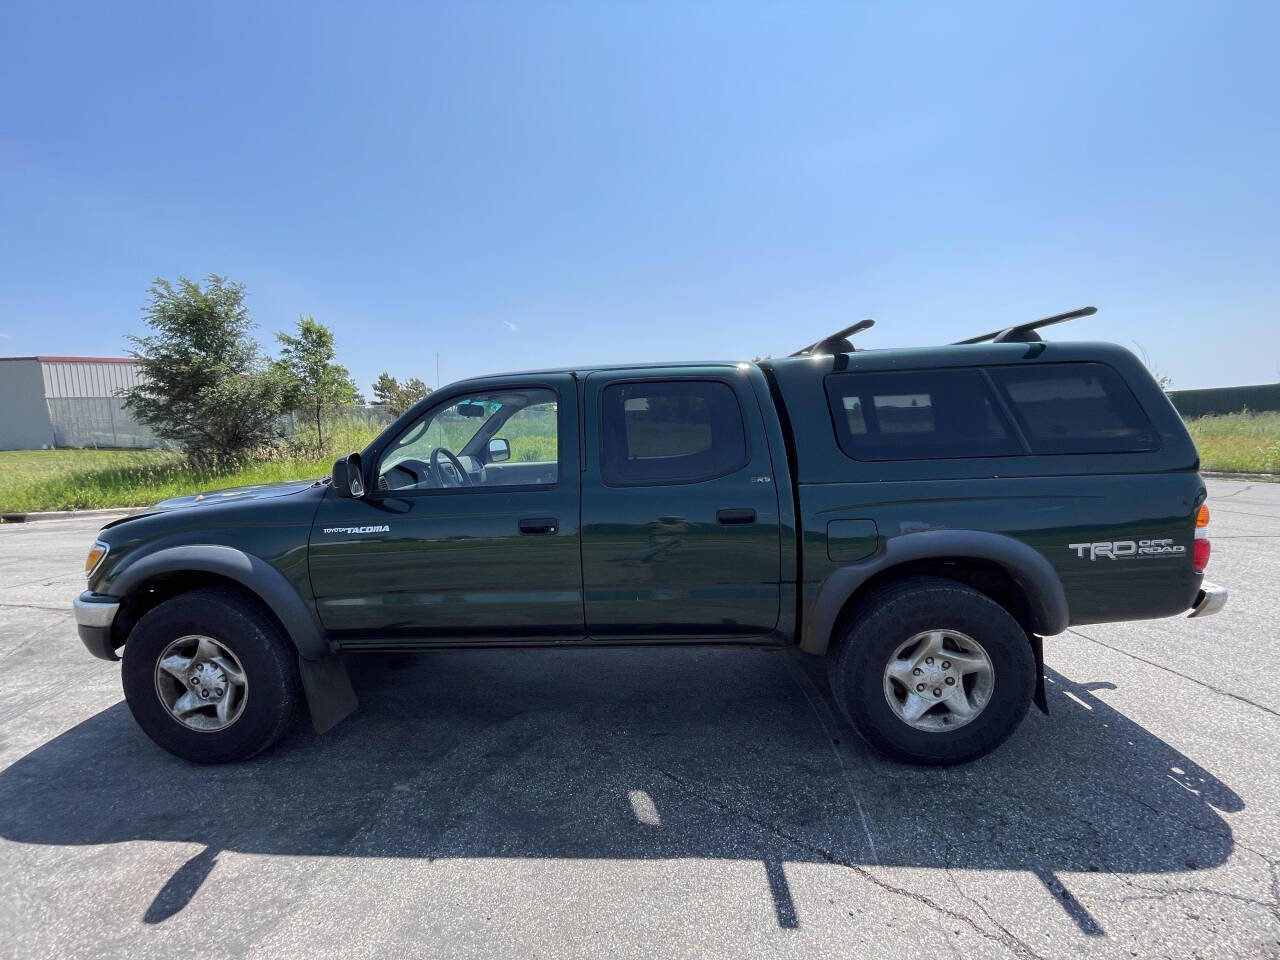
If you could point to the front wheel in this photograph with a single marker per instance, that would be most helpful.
(932, 671)
(209, 676)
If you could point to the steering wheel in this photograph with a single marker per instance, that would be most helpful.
(459, 473)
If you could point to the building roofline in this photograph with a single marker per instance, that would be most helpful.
(45, 359)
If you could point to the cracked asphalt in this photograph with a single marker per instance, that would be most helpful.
(657, 803)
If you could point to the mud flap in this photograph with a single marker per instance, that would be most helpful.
(1041, 699)
(330, 697)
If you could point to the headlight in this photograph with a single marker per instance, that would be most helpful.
(96, 553)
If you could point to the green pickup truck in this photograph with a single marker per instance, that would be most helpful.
(919, 517)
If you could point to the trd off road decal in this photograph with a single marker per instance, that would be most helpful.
(378, 528)
(1123, 549)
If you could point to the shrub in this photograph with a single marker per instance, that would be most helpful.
(204, 383)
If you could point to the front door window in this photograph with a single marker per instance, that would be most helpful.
(504, 438)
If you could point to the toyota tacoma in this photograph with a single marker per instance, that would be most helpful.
(921, 518)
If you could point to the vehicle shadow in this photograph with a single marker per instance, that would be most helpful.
(645, 754)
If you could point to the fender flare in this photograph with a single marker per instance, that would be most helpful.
(1047, 601)
(253, 573)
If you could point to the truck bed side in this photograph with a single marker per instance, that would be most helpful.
(858, 515)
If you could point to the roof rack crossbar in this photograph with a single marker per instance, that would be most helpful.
(1026, 332)
(836, 343)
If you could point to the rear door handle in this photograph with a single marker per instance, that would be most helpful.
(539, 525)
(737, 515)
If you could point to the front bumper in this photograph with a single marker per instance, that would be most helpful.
(1209, 600)
(95, 615)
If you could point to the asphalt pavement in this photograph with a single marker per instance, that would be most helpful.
(654, 803)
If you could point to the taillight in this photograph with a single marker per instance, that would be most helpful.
(1200, 555)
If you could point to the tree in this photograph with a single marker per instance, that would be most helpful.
(203, 382)
(310, 379)
(385, 389)
(396, 396)
(412, 391)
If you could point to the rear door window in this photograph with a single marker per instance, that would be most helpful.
(918, 415)
(1075, 408)
(673, 431)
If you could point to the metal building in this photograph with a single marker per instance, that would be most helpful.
(68, 402)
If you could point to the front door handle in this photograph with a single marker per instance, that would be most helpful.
(737, 515)
(533, 525)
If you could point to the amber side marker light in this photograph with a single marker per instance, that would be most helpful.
(96, 553)
(1200, 555)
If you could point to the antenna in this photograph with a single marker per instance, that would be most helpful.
(836, 343)
(1026, 332)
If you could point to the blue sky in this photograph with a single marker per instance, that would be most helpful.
(531, 184)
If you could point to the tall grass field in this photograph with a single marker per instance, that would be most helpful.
(36, 480)
(1243, 442)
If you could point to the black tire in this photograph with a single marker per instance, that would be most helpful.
(269, 661)
(894, 614)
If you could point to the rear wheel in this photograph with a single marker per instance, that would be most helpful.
(932, 671)
(209, 676)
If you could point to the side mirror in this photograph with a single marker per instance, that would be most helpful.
(348, 477)
(499, 450)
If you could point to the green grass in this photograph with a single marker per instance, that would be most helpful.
(46, 480)
(1244, 442)
(33, 480)
(43, 466)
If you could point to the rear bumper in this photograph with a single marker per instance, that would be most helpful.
(1209, 600)
(95, 615)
